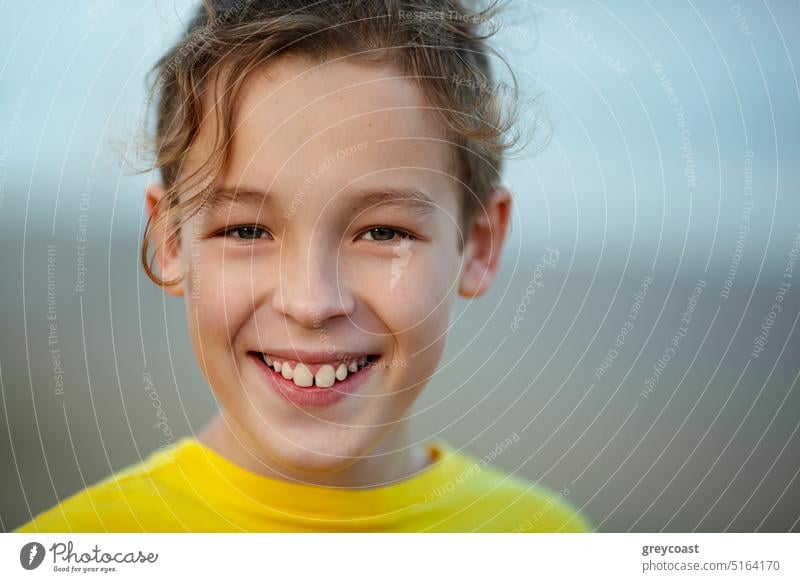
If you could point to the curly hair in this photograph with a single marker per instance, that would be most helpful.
(439, 44)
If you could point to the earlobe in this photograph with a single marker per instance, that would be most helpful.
(166, 253)
(484, 244)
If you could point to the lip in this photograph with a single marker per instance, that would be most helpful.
(311, 396)
(315, 360)
(310, 357)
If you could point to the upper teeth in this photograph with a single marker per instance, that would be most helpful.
(325, 377)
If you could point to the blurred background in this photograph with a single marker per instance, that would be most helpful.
(631, 340)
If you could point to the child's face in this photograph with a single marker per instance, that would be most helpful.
(342, 242)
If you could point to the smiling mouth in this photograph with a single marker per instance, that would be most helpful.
(319, 375)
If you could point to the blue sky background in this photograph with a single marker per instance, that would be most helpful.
(79, 67)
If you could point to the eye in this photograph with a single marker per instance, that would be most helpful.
(385, 234)
(245, 233)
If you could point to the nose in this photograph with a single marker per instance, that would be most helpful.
(309, 289)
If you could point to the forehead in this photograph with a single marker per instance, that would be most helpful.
(357, 123)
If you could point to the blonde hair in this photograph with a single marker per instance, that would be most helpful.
(441, 44)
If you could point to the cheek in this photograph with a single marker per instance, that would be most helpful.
(219, 297)
(418, 293)
(416, 312)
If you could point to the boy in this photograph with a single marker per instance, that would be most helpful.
(330, 184)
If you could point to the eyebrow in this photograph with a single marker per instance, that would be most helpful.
(414, 200)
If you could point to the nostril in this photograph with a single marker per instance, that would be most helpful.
(312, 306)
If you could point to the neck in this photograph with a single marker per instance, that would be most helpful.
(391, 460)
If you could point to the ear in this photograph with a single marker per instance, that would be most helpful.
(167, 253)
(484, 244)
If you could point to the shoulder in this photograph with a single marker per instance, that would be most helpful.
(510, 503)
(114, 503)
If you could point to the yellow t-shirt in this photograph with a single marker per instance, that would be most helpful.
(189, 487)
